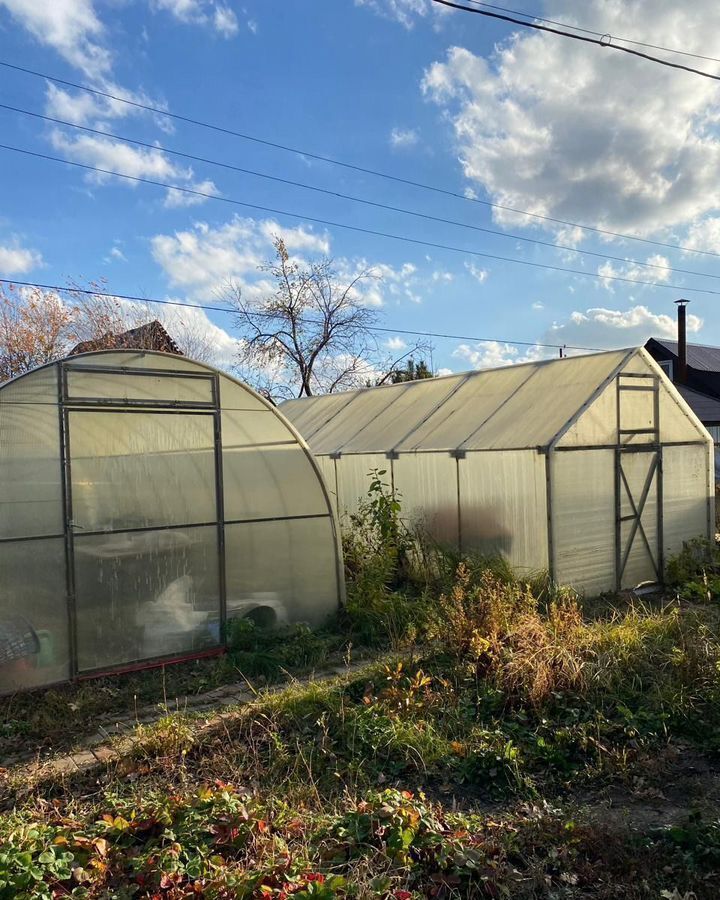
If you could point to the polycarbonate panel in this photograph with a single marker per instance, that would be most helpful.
(504, 408)
(327, 469)
(270, 482)
(545, 403)
(361, 409)
(597, 424)
(30, 475)
(412, 402)
(583, 519)
(354, 476)
(239, 396)
(282, 571)
(477, 397)
(139, 469)
(677, 420)
(637, 410)
(136, 359)
(250, 427)
(428, 490)
(149, 388)
(145, 595)
(33, 614)
(503, 507)
(687, 490)
(637, 555)
(309, 414)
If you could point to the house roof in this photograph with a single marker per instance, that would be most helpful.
(513, 407)
(150, 336)
(699, 356)
(705, 407)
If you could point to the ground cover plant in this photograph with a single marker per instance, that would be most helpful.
(516, 743)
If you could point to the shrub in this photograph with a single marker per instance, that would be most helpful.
(495, 628)
(695, 571)
(378, 548)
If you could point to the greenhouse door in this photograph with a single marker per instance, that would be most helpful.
(143, 501)
(638, 482)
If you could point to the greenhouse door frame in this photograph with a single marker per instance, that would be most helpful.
(652, 450)
(99, 405)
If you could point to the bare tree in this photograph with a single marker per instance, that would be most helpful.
(313, 335)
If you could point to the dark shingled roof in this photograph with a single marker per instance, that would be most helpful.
(151, 336)
(699, 356)
(705, 407)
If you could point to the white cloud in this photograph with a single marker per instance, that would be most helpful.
(491, 354)
(538, 305)
(295, 238)
(252, 25)
(17, 260)
(83, 109)
(225, 21)
(439, 275)
(71, 27)
(138, 162)
(635, 272)
(552, 126)
(477, 273)
(114, 155)
(190, 12)
(444, 371)
(704, 235)
(176, 199)
(395, 343)
(198, 336)
(612, 328)
(403, 138)
(203, 259)
(403, 11)
(116, 253)
(201, 12)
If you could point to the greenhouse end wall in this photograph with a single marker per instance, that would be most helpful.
(146, 500)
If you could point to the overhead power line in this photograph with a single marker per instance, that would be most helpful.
(350, 166)
(356, 228)
(603, 34)
(601, 42)
(229, 310)
(354, 199)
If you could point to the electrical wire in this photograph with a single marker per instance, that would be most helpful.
(597, 33)
(363, 200)
(601, 42)
(350, 166)
(356, 228)
(229, 310)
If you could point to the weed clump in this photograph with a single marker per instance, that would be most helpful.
(694, 573)
(498, 631)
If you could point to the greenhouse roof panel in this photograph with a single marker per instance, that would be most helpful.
(506, 408)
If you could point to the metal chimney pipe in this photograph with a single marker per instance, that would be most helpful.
(682, 342)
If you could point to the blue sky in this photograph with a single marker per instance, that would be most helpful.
(473, 106)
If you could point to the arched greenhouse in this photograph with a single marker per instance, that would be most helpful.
(145, 500)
